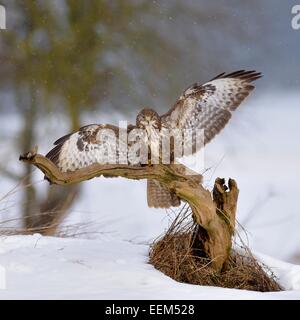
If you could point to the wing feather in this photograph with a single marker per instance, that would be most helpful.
(91, 144)
(209, 106)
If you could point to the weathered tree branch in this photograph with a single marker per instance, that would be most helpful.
(215, 215)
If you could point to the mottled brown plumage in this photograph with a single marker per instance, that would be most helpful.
(207, 107)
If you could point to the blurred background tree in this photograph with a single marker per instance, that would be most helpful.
(55, 60)
(72, 58)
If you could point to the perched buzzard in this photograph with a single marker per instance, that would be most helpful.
(206, 107)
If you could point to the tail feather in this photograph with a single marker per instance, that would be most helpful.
(158, 196)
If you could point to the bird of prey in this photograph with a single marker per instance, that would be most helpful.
(208, 107)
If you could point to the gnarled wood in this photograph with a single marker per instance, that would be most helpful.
(215, 215)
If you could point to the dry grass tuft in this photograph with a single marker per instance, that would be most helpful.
(173, 255)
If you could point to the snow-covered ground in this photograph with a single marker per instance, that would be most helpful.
(55, 268)
(260, 149)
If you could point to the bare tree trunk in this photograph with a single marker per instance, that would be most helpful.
(27, 139)
(59, 200)
(55, 207)
(42, 215)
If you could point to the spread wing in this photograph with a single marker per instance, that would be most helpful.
(209, 106)
(91, 144)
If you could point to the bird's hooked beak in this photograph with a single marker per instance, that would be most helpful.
(147, 127)
(146, 121)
